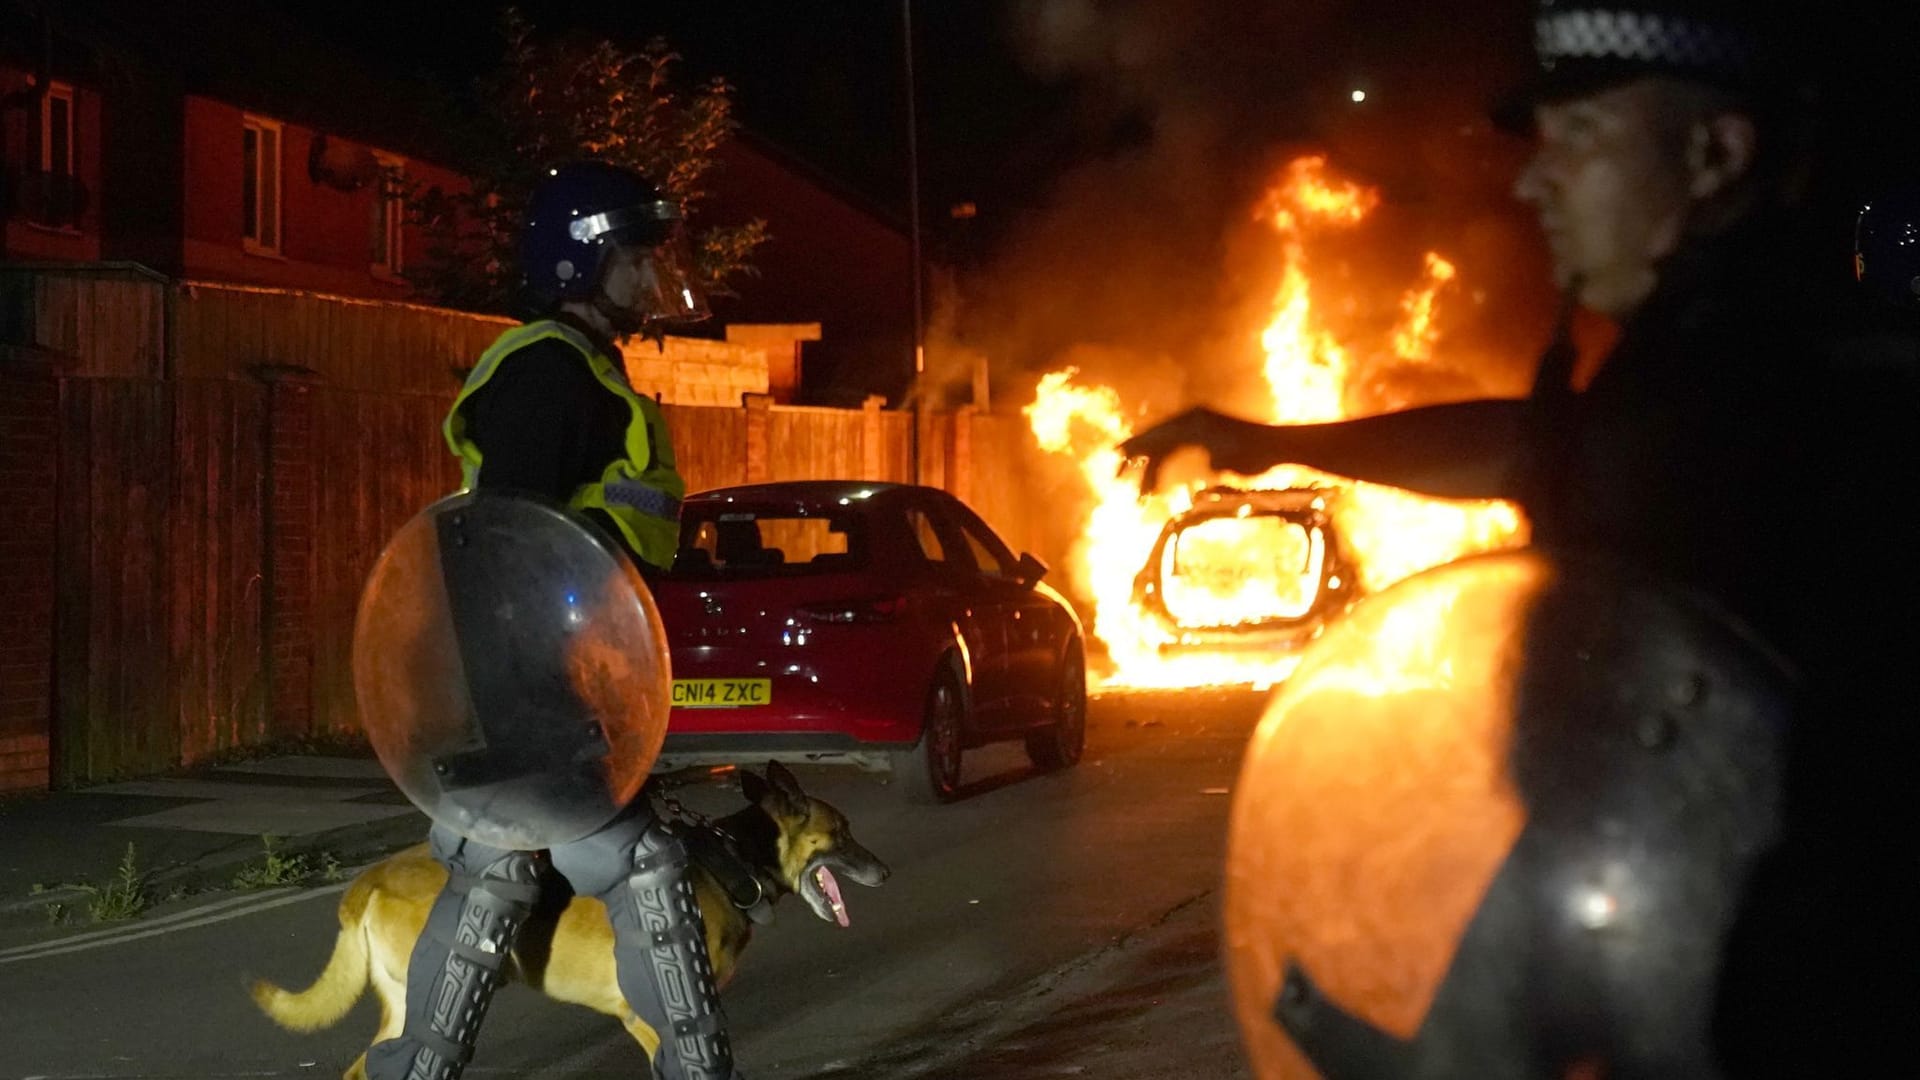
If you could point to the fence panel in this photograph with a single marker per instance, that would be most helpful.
(112, 648)
(709, 444)
(214, 536)
(815, 444)
(378, 460)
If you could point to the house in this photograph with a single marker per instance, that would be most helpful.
(277, 162)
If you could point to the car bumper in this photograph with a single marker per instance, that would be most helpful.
(683, 751)
(862, 704)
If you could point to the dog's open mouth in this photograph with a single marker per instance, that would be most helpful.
(819, 884)
(829, 889)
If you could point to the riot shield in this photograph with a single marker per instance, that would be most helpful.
(511, 670)
(1494, 827)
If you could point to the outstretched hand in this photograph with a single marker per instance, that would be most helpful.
(1232, 444)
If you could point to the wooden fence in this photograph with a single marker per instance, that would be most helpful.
(194, 484)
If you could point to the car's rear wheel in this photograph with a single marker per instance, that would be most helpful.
(930, 772)
(1060, 744)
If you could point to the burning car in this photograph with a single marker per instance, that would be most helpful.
(1214, 590)
(1248, 569)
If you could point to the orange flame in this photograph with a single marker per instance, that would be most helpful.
(1413, 339)
(1390, 532)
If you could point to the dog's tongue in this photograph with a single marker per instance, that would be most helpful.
(832, 888)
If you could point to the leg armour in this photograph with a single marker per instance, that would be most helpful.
(640, 870)
(456, 963)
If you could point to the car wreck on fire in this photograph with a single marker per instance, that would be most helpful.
(1248, 569)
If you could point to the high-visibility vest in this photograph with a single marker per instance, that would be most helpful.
(641, 491)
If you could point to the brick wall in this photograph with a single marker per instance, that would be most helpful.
(694, 371)
(28, 405)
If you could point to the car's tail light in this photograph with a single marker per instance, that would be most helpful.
(873, 609)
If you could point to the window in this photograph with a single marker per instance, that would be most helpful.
(927, 536)
(1230, 570)
(986, 557)
(260, 184)
(784, 542)
(389, 216)
(47, 190)
(56, 130)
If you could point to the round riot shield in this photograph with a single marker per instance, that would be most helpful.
(1494, 826)
(511, 670)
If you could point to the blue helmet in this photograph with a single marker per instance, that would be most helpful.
(581, 212)
(1886, 247)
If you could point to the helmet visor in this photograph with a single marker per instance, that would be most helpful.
(666, 292)
(654, 285)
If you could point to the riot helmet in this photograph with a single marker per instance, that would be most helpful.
(1886, 247)
(603, 235)
(1496, 826)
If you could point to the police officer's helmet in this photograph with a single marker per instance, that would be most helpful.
(1582, 47)
(1886, 247)
(578, 213)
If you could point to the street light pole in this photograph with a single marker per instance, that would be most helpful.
(913, 212)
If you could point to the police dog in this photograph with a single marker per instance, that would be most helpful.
(786, 841)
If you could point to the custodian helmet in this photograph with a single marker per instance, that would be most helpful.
(1582, 47)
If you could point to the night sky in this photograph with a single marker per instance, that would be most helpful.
(825, 81)
(1013, 94)
(1113, 147)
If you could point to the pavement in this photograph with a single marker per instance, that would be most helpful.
(1151, 1004)
(196, 831)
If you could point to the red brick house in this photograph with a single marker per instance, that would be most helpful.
(128, 154)
(273, 162)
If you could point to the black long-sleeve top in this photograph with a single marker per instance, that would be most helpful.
(544, 424)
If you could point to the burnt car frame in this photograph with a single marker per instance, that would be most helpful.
(1310, 559)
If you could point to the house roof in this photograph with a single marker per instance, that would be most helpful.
(766, 147)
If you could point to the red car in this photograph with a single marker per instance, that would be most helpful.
(882, 625)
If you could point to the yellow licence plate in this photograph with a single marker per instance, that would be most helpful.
(721, 693)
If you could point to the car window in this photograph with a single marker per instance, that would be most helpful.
(927, 536)
(1230, 570)
(986, 558)
(760, 543)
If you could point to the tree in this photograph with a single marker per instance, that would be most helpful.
(559, 99)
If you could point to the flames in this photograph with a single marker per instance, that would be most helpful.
(1313, 377)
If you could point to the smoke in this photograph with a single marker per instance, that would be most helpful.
(1145, 263)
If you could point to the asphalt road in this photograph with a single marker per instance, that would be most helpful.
(1027, 881)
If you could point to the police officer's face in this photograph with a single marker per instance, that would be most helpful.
(626, 282)
(1611, 193)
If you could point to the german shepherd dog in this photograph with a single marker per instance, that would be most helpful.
(786, 841)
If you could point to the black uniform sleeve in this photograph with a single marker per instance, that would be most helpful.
(528, 421)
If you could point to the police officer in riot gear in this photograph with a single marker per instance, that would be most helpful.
(548, 412)
(1741, 484)
(547, 409)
